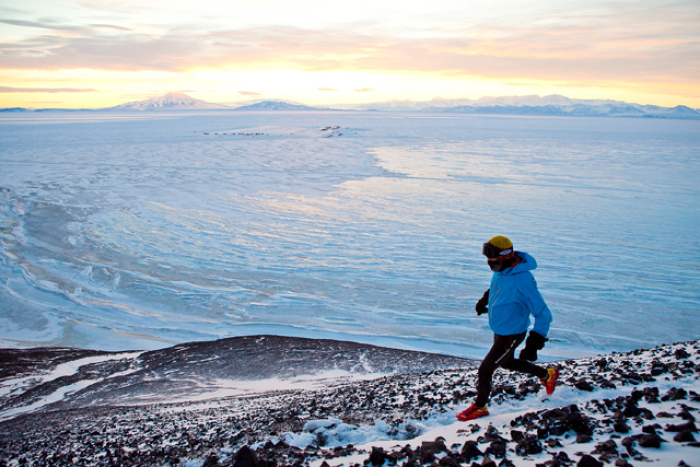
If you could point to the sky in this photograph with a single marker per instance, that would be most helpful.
(100, 53)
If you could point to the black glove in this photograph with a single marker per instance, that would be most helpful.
(481, 305)
(534, 342)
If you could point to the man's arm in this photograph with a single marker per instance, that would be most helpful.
(538, 307)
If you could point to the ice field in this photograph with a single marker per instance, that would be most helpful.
(129, 231)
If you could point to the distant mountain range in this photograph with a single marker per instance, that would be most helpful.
(277, 105)
(170, 100)
(553, 105)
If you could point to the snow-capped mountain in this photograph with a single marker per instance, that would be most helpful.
(170, 101)
(552, 105)
(276, 105)
(619, 409)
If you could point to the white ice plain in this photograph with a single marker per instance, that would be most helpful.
(139, 231)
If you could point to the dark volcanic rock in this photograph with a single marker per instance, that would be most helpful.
(621, 427)
(126, 426)
(684, 437)
(675, 394)
(377, 457)
(470, 450)
(245, 457)
(589, 461)
(689, 426)
(584, 385)
(651, 440)
(528, 446)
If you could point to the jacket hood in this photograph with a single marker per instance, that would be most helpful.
(527, 263)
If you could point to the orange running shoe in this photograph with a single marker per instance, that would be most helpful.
(551, 381)
(472, 413)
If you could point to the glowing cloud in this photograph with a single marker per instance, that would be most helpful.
(47, 90)
(574, 47)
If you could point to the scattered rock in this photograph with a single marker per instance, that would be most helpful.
(651, 428)
(689, 426)
(621, 427)
(377, 457)
(529, 445)
(684, 437)
(470, 450)
(435, 447)
(245, 457)
(650, 441)
(622, 463)
(517, 436)
(584, 385)
(675, 394)
(588, 461)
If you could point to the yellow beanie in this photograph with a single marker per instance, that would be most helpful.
(501, 242)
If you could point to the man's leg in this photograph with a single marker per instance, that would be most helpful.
(548, 376)
(502, 351)
(524, 366)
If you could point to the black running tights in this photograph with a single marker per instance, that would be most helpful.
(502, 354)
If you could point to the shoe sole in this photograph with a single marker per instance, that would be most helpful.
(472, 417)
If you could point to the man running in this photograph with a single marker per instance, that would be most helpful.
(511, 299)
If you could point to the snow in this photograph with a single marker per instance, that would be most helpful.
(138, 231)
(224, 388)
(61, 370)
(16, 385)
(444, 425)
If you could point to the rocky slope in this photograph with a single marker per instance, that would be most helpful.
(618, 409)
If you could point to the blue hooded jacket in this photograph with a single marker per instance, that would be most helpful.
(513, 297)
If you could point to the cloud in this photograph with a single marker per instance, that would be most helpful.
(249, 93)
(127, 52)
(328, 89)
(6, 9)
(110, 27)
(642, 42)
(364, 90)
(41, 25)
(47, 90)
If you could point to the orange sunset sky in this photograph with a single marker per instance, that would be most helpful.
(90, 54)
